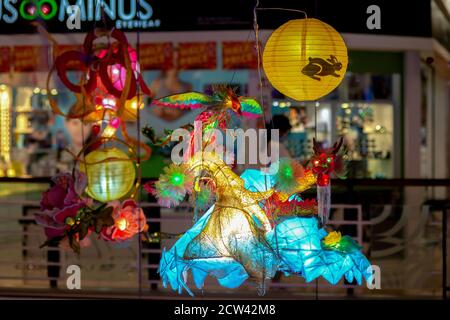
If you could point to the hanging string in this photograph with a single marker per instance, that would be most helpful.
(258, 52)
(281, 9)
(256, 29)
(138, 163)
(316, 106)
(315, 135)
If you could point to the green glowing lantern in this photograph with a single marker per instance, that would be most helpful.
(110, 172)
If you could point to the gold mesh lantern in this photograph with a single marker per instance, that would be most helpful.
(110, 172)
(305, 59)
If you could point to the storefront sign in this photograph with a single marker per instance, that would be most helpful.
(30, 58)
(5, 59)
(239, 55)
(127, 14)
(156, 56)
(201, 55)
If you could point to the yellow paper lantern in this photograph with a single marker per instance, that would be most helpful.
(108, 180)
(305, 59)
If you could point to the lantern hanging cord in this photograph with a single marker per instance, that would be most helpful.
(139, 170)
(258, 48)
(281, 9)
(315, 119)
(258, 53)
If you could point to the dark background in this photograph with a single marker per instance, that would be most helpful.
(398, 17)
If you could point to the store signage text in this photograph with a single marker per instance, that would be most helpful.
(137, 14)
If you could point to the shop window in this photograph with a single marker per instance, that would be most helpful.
(362, 110)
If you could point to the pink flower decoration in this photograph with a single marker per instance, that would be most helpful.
(129, 219)
(61, 201)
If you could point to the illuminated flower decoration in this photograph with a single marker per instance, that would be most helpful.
(335, 241)
(288, 175)
(60, 203)
(166, 196)
(178, 179)
(129, 219)
(172, 186)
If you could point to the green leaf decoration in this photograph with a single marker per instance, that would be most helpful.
(83, 230)
(149, 133)
(104, 212)
(348, 245)
(74, 244)
(103, 218)
(98, 226)
(103, 222)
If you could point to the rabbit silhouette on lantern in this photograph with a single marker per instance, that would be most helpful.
(321, 67)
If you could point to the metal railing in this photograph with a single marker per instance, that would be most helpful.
(359, 223)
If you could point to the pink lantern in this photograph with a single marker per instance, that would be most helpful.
(117, 72)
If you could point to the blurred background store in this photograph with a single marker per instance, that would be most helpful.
(392, 109)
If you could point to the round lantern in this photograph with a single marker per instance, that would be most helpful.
(305, 59)
(109, 180)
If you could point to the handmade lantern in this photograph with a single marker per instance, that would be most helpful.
(235, 239)
(116, 72)
(104, 89)
(109, 93)
(110, 173)
(305, 59)
(258, 223)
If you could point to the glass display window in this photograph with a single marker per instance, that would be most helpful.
(362, 110)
